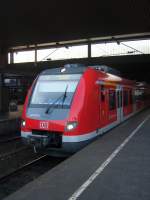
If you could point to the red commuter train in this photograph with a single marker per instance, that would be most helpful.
(66, 108)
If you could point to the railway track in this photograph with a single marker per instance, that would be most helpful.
(10, 147)
(3, 178)
(8, 154)
(26, 173)
(10, 140)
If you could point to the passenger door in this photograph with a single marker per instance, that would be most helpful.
(112, 106)
(103, 106)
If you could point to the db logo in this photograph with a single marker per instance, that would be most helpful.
(44, 125)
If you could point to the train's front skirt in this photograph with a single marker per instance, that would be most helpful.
(43, 140)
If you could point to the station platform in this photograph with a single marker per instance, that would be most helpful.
(115, 167)
(10, 122)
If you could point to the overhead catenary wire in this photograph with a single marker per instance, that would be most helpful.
(67, 47)
(49, 54)
(130, 47)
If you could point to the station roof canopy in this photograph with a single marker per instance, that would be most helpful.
(31, 22)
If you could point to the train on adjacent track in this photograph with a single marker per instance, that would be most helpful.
(67, 108)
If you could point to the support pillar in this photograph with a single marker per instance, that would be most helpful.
(3, 56)
(35, 59)
(11, 57)
(89, 49)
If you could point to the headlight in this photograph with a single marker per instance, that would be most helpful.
(23, 123)
(71, 125)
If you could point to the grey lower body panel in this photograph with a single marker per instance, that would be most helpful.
(73, 147)
(66, 148)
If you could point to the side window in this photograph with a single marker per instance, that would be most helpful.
(125, 98)
(102, 93)
(112, 99)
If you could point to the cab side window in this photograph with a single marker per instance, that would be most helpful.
(102, 93)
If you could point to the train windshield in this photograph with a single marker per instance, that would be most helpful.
(50, 88)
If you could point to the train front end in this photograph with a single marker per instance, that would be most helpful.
(46, 118)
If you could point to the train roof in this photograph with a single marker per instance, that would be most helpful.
(106, 73)
(66, 69)
(79, 69)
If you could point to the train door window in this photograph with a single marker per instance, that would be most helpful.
(118, 99)
(134, 97)
(102, 93)
(130, 97)
(112, 99)
(125, 98)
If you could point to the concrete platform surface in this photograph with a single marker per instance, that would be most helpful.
(126, 177)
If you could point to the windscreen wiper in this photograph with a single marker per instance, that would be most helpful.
(64, 97)
(54, 103)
